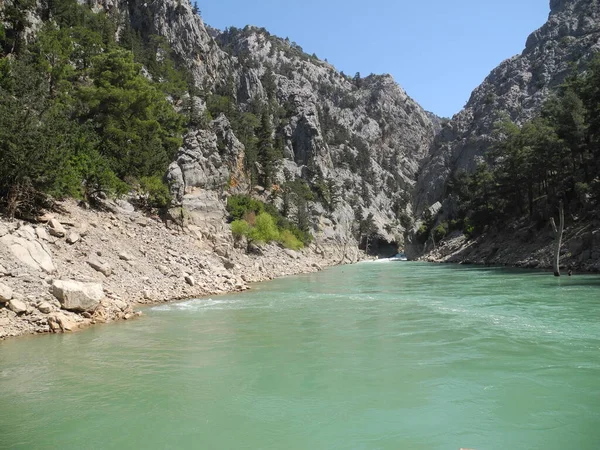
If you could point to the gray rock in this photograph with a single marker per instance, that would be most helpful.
(6, 293)
(73, 238)
(31, 253)
(45, 307)
(17, 306)
(126, 256)
(77, 296)
(42, 234)
(120, 304)
(291, 253)
(190, 280)
(228, 264)
(60, 322)
(83, 229)
(100, 266)
(223, 251)
(56, 228)
(124, 206)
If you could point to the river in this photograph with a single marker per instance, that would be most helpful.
(372, 356)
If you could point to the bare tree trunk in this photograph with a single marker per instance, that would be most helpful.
(558, 234)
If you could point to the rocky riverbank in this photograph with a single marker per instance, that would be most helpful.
(523, 246)
(81, 267)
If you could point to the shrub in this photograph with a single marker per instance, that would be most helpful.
(468, 229)
(239, 229)
(156, 192)
(240, 205)
(265, 229)
(440, 231)
(288, 240)
(423, 233)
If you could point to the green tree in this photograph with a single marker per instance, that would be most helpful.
(267, 155)
(139, 130)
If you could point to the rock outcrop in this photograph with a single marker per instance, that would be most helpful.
(363, 135)
(29, 251)
(516, 89)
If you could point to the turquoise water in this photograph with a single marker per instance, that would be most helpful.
(373, 356)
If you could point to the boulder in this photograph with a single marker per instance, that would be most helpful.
(45, 307)
(77, 296)
(6, 293)
(73, 238)
(223, 251)
(17, 306)
(100, 266)
(60, 322)
(56, 228)
(32, 253)
(120, 304)
(190, 280)
(123, 206)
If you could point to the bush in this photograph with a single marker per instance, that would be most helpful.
(247, 209)
(155, 191)
(239, 229)
(441, 231)
(265, 229)
(468, 229)
(288, 240)
(240, 205)
(423, 233)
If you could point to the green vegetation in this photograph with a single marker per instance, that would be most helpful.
(77, 116)
(553, 158)
(261, 222)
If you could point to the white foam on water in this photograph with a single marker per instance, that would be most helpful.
(196, 305)
(382, 261)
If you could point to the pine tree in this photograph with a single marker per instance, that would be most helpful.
(266, 154)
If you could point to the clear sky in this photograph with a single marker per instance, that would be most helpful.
(438, 50)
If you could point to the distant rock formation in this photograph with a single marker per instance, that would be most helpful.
(517, 88)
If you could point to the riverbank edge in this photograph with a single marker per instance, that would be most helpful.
(138, 260)
(525, 248)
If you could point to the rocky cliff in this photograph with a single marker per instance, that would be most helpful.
(517, 88)
(362, 137)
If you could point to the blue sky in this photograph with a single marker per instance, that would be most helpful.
(438, 50)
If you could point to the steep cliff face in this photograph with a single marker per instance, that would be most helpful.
(365, 135)
(184, 31)
(517, 89)
(362, 137)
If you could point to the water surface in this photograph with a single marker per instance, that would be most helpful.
(372, 356)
